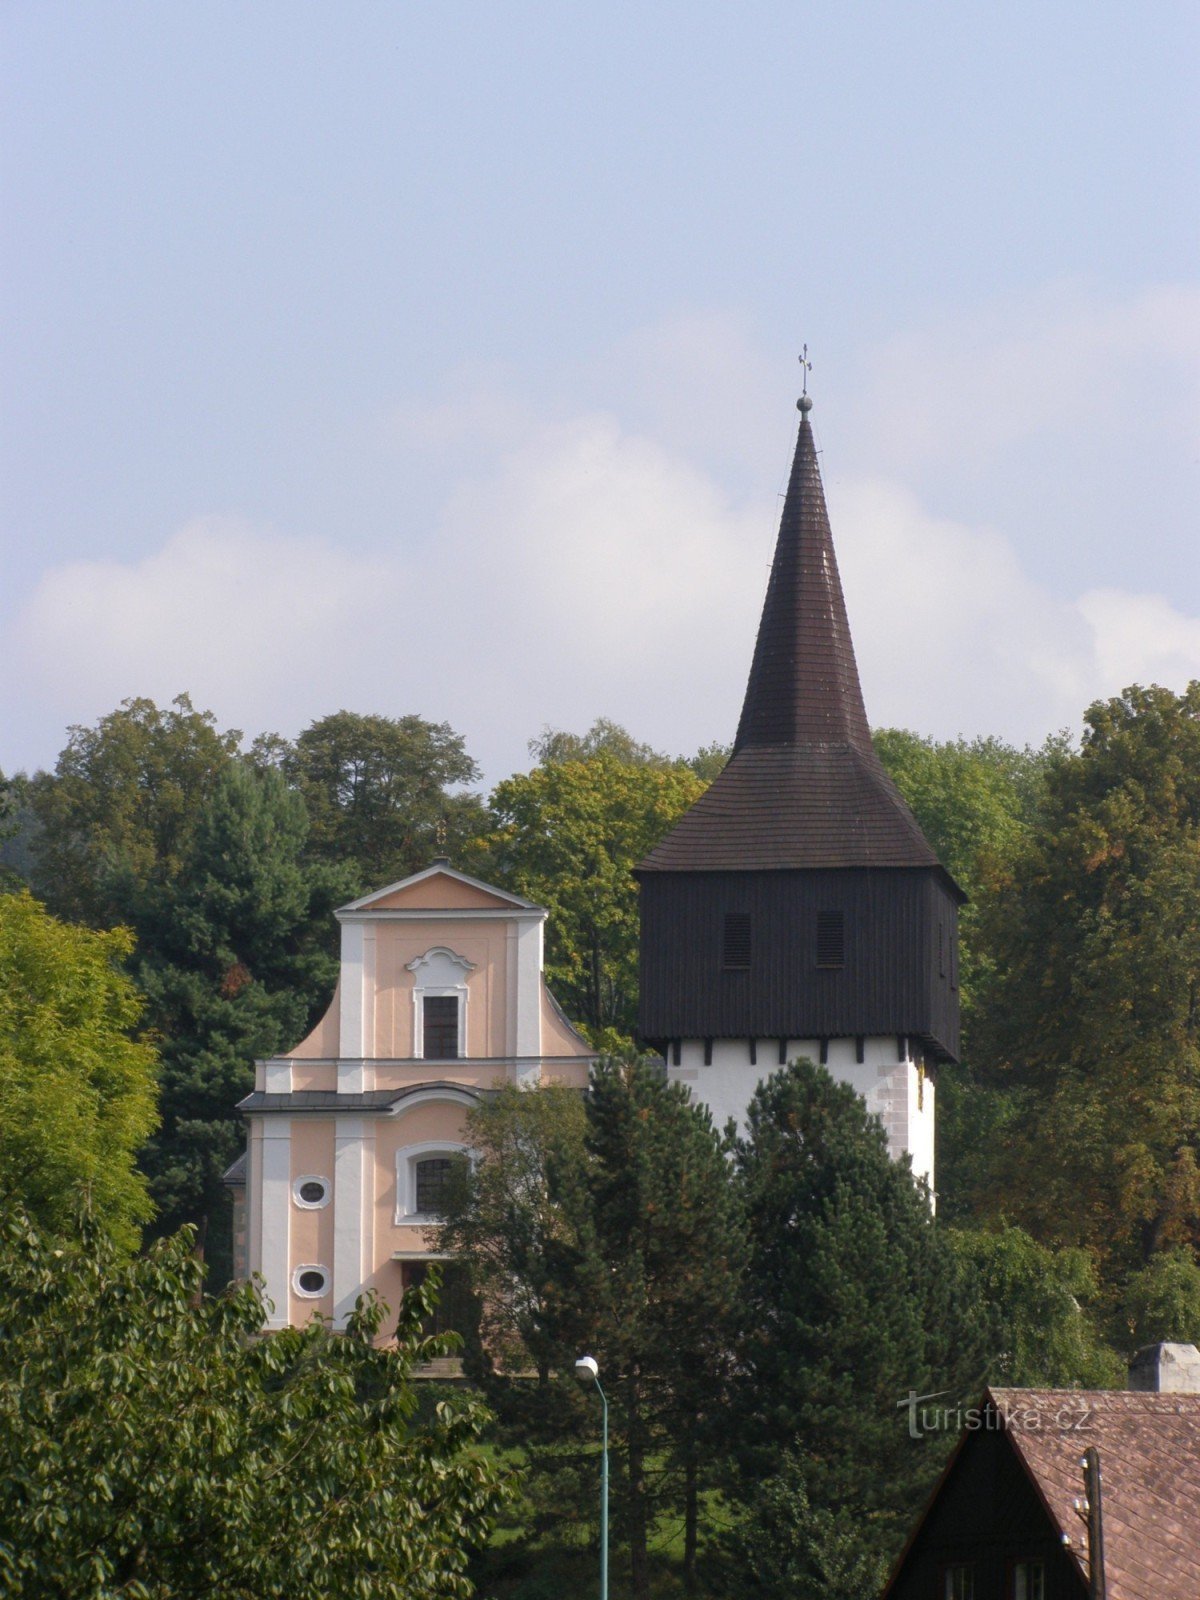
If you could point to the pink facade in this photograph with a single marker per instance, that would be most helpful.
(441, 998)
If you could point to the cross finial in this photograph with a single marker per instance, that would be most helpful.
(804, 404)
(439, 832)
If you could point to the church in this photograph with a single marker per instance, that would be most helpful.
(795, 910)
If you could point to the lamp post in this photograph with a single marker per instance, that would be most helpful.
(587, 1372)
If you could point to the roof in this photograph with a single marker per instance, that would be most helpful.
(1149, 1448)
(443, 868)
(330, 1100)
(804, 787)
(236, 1174)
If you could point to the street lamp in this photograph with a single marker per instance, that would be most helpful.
(587, 1372)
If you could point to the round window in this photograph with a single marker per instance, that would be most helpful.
(311, 1281)
(311, 1192)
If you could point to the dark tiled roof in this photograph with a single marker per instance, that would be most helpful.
(1149, 1448)
(236, 1174)
(804, 787)
(795, 806)
(331, 1100)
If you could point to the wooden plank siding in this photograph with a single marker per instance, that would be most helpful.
(898, 977)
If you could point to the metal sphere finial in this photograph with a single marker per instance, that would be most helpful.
(804, 404)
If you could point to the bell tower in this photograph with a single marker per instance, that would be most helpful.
(797, 908)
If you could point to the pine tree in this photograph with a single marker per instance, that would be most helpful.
(853, 1299)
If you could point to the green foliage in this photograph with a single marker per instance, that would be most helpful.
(154, 1447)
(553, 746)
(1091, 1018)
(853, 1295)
(234, 964)
(512, 1214)
(377, 792)
(1034, 1299)
(786, 1548)
(609, 1225)
(567, 835)
(1162, 1300)
(77, 1087)
(116, 816)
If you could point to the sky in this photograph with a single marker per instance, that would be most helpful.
(443, 359)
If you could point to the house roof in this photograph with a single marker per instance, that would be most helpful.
(331, 1100)
(804, 787)
(1149, 1448)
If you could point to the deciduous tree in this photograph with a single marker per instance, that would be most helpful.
(77, 1085)
(379, 792)
(1092, 1020)
(153, 1445)
(567, 835)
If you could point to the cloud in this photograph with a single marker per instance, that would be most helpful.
(1064, 361)
(579, 564)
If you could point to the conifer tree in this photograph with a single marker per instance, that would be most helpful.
(853, 1298)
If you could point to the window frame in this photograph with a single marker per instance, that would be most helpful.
(311, 1205)
(407, 1157)
(311, 1294)
(1013, 1565)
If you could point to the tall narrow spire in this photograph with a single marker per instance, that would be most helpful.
(803, 686)
(803, 787)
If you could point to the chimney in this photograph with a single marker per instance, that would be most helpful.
(1166, 1369)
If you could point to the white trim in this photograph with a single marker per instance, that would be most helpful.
(349, 1174)
(433, 871)
(277, 1076)
(311, 1205)
(275, 1215)
(529, 990)
(445, 914)
(350, 1031)
(310, 1294)
(443, 966)
(459, 1095)
(447, 955)
(407, 1158)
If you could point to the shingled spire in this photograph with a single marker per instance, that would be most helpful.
(804, 787)
(803, 686)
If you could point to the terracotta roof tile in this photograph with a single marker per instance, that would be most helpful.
(1149, 1448)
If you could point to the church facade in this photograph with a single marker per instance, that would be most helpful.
(797, 908)
(441, 999)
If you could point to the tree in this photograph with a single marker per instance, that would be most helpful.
(1092, 1018)
(1034, 1300)
(1162, 1300)
(235, 963)
(513, 1215)
(853, 1298)
(154, 1445)
(625, 1242)
(377, 790)
(785, 1548)
(669, 1232)
(567, 835)
(153, 818)
(77, 1086)
(115, 818)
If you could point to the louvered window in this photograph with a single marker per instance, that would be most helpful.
(440, 1027)
(736, 945)
(831, 939)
